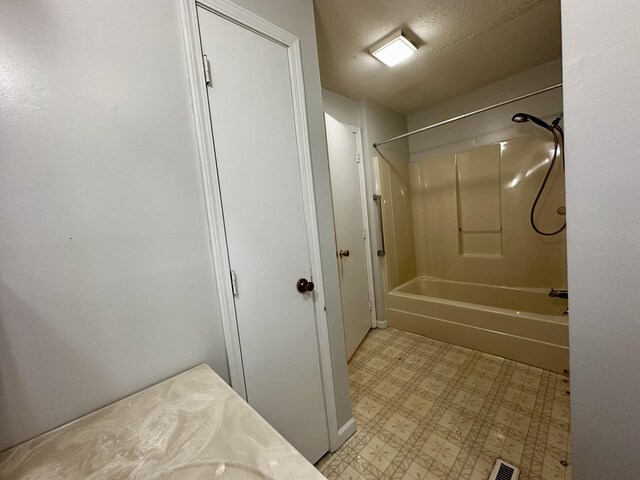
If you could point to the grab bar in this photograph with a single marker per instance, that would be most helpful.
(378, 199)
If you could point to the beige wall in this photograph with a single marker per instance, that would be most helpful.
(471, 215)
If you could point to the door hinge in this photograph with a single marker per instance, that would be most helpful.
(357, 158)
(370, 306)
(207, 70)
(364, 233)
(234, 283)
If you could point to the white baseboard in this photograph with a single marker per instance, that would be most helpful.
(345, 432)
(382, 324)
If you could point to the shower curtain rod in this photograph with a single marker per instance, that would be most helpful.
(460, 117)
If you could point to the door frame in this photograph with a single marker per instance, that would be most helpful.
(364, 209)
(212, 194)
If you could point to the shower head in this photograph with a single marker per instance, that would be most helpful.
(525, 117)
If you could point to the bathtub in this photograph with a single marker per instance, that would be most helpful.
(521, 324)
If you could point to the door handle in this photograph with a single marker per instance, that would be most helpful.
(343, 253)
(304, 285)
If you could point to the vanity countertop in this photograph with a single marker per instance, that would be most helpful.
(192, 426)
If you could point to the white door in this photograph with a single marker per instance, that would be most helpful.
(350, 228)
(250, 102)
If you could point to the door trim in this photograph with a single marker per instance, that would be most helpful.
(213, 200)
(364, 208)
(364, 203)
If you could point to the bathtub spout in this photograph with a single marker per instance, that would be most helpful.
(559, 293)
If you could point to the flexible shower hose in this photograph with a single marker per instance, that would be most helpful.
(556, 140)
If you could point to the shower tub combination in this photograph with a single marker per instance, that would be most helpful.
(521, 324)
(492, 214)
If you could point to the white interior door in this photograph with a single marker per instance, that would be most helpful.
(250, 101)
(350, 232)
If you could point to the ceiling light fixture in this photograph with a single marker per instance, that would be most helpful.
(393, 49)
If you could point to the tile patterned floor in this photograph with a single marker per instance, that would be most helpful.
(428, 410)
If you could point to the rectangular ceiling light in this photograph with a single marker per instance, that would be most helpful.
(393, 49)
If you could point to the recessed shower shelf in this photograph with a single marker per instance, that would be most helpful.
(480, 230)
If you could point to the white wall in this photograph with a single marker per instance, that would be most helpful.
(488, 127)
(343, 109)
(106, 271)
(105, 267)
(602, 73)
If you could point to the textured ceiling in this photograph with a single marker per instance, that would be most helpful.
(462, 45)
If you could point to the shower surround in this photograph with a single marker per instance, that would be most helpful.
(463, 263)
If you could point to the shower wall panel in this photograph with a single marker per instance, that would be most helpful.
(470, 214)
(400, 258)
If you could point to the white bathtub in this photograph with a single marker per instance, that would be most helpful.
(517, 323)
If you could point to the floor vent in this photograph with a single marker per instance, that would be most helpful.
(504, 471)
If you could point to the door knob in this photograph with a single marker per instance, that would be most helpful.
(343, 253)
(304, 285)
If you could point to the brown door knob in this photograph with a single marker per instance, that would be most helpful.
(304, 285)
(344, 253)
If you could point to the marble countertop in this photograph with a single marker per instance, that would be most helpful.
(192, 426)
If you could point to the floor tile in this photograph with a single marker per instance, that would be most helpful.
(350, 473)
(368, 407)
(378, 453)
(428, 410)
(400, 426)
